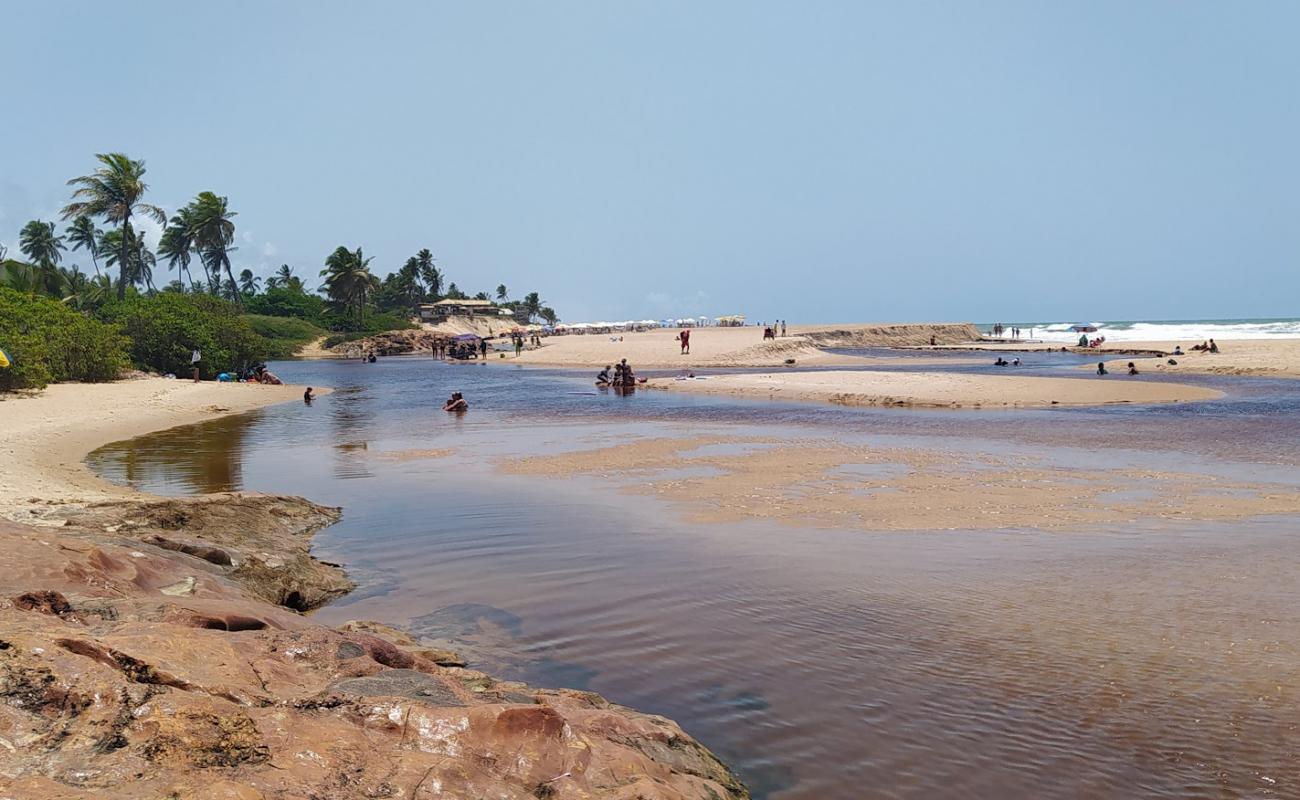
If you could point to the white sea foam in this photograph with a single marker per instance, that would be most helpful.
(1173, 331)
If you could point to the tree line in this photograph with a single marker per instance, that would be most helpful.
(199, 238)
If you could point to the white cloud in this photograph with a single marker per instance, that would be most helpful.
(270, 250)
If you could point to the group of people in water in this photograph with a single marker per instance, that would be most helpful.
(458, 350)
(620, 376)
(1015, 333)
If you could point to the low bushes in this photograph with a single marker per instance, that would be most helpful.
(165, 328)
(47, 342)
(285, 335)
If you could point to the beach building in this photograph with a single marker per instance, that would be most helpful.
(443, 309)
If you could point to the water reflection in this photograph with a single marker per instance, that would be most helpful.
(194, 459)
(352, 415)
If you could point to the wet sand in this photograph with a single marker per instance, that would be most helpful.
(938, 390)
(836, 484)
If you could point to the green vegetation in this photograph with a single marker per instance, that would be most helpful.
(166, 327)
(47, 341)
(284, 335)
(232, 319)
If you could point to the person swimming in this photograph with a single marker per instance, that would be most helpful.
(456, 403)
(1101, 368)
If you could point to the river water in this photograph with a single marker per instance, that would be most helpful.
(1147, 660)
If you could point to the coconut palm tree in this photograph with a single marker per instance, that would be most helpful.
(214, 231)
(113, 191)
(283, 277)
(140, 260)
(429, 273)
(533, 305)
(82, 233)
(547, 313)
(177, 243)
(502, 294)
(349, 282)
(248, 282)
(43, 247)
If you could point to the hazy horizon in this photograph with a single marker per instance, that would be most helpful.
(826, 162)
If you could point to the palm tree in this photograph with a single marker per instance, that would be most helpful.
(248, 282)
(429, 273)
(113, 191)
(348, 280)
(140, 260)
(533, 305)
(83, 233)
(547, 313)
(42, 247)
(283, 277)
(177, 242)
(214, 230)
(502, 294)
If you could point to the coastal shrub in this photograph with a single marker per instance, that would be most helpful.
(281, 302)
(166, 327)
(285, 335)
(373, 323)
(48, 342)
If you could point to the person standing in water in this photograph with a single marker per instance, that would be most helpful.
(308, 396)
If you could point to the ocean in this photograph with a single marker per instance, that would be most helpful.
(1185, 330)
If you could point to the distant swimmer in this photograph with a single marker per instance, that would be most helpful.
(1101, 368)
(308, 396)
(455, 403)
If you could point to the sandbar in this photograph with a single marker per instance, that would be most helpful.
(937, 390)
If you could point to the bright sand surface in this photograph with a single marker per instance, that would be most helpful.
(1275, 358)
(45, 436)
(936, 389)
(728, 347)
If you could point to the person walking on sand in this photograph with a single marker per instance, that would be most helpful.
(783, 329)
(685, 337)
(195, 358)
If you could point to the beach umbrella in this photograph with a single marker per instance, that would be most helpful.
(4, 360)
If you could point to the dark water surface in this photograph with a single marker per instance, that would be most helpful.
(1158, 660)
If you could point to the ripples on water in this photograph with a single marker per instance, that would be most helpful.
(1157, 661)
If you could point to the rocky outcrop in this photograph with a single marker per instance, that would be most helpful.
(389, 343)
(154, 649)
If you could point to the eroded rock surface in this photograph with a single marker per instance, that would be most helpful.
(112, 687)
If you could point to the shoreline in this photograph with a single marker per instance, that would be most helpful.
(937, 390)
(157, 646)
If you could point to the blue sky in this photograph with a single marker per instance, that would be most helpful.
(814, 161)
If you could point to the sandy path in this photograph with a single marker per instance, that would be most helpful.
(45, 437)
(946, 390)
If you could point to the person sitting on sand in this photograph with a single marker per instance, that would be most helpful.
(1132, 368)
(1214, 348)
(308, 396)
(1178, 351)
(455, 403)
(1101, 368)
(603, 377)
(267, 377)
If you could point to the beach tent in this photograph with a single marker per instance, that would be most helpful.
(1084, 328)
(4, 360)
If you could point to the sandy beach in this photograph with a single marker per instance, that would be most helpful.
(46, 435)
(1268, 358)
(937, 390)
(734, 347)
